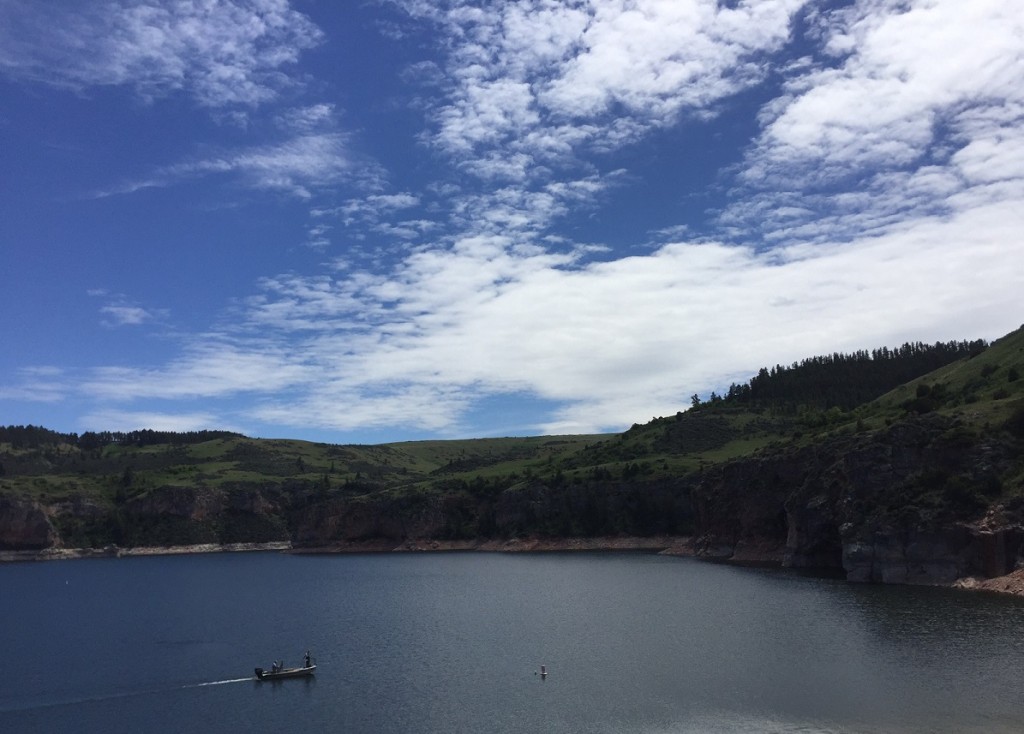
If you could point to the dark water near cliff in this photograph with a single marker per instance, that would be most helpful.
(451, 642)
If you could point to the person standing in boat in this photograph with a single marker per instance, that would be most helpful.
(308, 659)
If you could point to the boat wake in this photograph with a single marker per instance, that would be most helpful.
(28, 706)
(218, 682)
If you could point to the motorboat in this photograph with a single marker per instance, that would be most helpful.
(278, 671)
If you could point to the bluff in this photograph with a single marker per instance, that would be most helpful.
(914, 503)
(25, 525)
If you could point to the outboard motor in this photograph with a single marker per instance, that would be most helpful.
(259, 672)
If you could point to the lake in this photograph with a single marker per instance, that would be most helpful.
(632, 642)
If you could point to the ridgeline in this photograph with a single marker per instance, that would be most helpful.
(894, 465)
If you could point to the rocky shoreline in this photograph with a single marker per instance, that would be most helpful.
(113, 551)
(669, 545)
(1011, 583)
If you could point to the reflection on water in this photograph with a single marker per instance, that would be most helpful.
(454, 643)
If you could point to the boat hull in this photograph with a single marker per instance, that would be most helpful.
(262, 674)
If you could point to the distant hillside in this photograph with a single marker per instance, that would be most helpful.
(831, 461)
(843, 380)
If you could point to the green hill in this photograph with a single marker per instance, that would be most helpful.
(923, 435)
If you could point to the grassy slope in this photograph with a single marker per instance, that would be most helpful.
(980, 391)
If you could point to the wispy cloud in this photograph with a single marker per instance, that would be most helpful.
(123, 420)
(220, 53)
(298, 166)
(40, 384)
(611, 343)
(371, 208)
(126, 315)
(119, 310)
(212, 367)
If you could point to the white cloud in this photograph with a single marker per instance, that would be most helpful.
(916, 112)
(339, 408)
(40, 384)
(121, 311)
(122, 420)
(126, 315)
(535, 87)
(212, 368)
(372, 208)
(659, 58)
(316, 237)
(299, 166)
(221, 53)
(612, 343)
(540, 78)
(881, 202)
(307, 119)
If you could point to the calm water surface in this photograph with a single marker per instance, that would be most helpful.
(452, 643)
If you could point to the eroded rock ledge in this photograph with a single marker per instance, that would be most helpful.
(669, 545)
(113, 551)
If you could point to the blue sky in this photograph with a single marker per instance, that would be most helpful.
(404, 219)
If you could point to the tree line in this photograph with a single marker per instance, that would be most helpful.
(32, 437)
(843, 380)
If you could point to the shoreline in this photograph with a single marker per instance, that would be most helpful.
(113, 551)
(668, 545)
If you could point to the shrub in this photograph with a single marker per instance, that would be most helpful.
(1015, 423)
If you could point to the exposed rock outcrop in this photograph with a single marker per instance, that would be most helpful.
(893, 507)
(24, 525)
(191, 503)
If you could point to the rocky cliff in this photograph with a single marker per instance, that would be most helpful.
(909, 504)
(921, 500)
(25, 525)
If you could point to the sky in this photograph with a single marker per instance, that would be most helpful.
(386, 220)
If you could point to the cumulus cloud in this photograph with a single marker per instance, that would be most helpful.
(543, 78)
(219, 53)
(910, 116)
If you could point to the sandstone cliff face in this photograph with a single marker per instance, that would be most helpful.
(192, 503)
(933, 556)
(567, 510)
(24, 525)
(338, 520)
(888, 508)
(902, 505)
